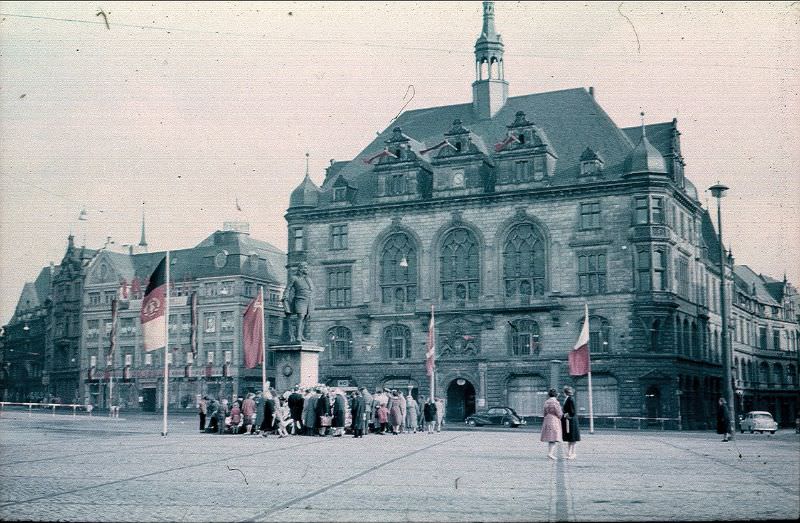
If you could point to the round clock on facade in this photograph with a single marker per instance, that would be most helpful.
(221, 259)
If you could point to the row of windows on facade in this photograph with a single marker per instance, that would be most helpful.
(524, 339)
(647, 210)
(207, 289)
(750, 374)
(524, 270)
(210, 320)
(188, 356)
(748, 332)
(775, 311)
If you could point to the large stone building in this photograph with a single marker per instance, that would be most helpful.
(507, 215)
(68, 354)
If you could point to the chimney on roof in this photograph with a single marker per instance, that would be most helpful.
(591, 91)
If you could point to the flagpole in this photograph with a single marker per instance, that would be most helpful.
(591, 410)
(263, 342)
(111, 372)
(166, 349)
(433, 372)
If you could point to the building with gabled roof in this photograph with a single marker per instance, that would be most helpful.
(506, 215)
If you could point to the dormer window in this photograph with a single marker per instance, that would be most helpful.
(591, 163)
(339, 194)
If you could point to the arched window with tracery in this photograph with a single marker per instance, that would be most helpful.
(523, 262)
(523, 338)
(460, 267)
(599, 334)
(340, 343)
(397, 342)
(398, 270)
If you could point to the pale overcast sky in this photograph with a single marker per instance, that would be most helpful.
(187, 106)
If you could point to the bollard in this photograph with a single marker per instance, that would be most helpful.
(54, 410)
(74, 410)
(30, 409)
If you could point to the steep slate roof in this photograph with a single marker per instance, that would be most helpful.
(35, 293)
(571, 119)
(746, 279)
(709, 235)
(198, 262)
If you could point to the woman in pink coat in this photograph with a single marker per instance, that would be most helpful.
(551, 424)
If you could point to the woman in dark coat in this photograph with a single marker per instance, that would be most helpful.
(322, 408)
(724, 420)
(429, 413)
(395, 412)
(268, 422)
(359, 415)
(339, 414)
(570, 431)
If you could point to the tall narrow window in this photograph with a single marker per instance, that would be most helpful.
(640, 210)
(643, 269)
(523, 338)
(599, 334)
(397, 342)
(659, 270)
(523, 262)
(590, 215)
(340, 343)
(398, 270)
(297, 243)
(460, 267)
(657, 209)
(592, 273)
(339, 287)
(339, 237)
(683, 276)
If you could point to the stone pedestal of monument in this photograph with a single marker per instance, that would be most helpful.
(296, 363)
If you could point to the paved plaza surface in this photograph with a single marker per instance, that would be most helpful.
(100, 469)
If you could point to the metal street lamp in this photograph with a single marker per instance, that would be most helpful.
(718, 192)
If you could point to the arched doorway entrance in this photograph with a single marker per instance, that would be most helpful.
(652, 404)
(460, 400)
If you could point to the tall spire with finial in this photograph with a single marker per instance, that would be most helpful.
(143, 241)
(490, 89)
(307, 155)
(643, 131)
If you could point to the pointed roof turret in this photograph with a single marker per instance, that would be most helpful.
(143, 240)
(645, 159)
(307, 193)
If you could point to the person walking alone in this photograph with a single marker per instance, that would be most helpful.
(202, 410)
(551, 424)
(570, 430)
(724, 420)
(429, 412)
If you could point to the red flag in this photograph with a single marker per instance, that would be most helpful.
(154, 304)
(114, 314)
(579, 363)
(381, 154)
(502, 145)
(253, 331)
(430, 355)
(193, 334)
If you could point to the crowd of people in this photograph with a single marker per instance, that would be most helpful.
(321, 411)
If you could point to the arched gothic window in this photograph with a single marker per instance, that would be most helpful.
(397, 342)
(460, 267)
(523, 339)
(523, 262)
(398, 271)
(599, 334)
(340, 343)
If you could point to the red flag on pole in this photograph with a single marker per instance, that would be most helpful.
(253, 331)
(430, 355)
(153, 314)
(579, 363)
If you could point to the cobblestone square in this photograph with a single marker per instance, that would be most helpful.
(99, 469)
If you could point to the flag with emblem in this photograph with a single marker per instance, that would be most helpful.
(153, 313)
(430, 355)
(253, 331)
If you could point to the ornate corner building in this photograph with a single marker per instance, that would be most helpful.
(507, 214)
(57, 346)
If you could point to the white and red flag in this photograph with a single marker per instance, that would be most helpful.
(579, 363)
(153, 314)
(430, 355)
(253, 331)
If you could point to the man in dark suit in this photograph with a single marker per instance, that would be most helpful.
(296, 401)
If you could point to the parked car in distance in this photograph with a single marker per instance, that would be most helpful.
(758, 420)
(505, 416)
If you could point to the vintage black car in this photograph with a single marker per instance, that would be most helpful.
(505, 416)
